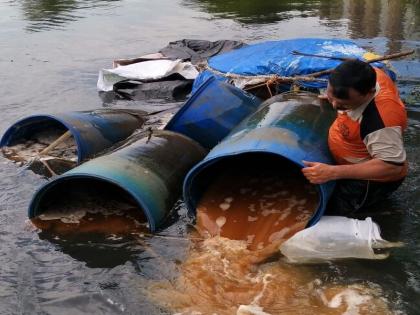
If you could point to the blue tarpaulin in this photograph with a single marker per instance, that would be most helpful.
(276, 57)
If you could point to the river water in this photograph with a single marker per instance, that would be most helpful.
(51, 52)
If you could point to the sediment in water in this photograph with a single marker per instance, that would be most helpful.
(222, 276)
(257, 199)
(250, 206)
(97, 207)
(29, 151)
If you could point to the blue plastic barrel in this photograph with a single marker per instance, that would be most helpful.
(149, 170)
(212, 112)
(93, 131)
(292, 127)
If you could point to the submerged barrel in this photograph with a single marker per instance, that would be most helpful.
(212, 112)
(147, 172)
(285, 130)
(93, 131)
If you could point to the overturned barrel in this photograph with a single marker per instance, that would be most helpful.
(146, 173)
(212, 112)
(284, 131)
(91, 131)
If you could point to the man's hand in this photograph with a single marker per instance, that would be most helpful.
(318, 173)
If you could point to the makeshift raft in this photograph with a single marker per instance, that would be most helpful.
(218, 116)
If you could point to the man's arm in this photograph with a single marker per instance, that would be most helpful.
(375, 169)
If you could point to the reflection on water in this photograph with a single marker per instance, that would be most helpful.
(55, 14)
(365, 19)
(250, 11)
(395, 20)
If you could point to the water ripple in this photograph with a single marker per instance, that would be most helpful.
(51, 15)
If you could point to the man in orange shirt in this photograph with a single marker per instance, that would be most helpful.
(366, 139)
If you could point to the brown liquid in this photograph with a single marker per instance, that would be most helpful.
(96, 223)
(220, 276)
(244, 218)
(258, 207)
(90, 215)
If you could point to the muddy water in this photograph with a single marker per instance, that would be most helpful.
(246, 212)
(221, 276)
(260, 204)
(90, 207)
(51, 52)
(112, 219)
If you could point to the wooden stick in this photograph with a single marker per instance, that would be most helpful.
(387, 57)
(55, 143)
(392, 56)
(45, 163)
(273, 77)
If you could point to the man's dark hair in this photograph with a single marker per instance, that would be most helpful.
(354, 74)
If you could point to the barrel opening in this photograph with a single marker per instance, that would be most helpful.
(43, 143)
(257, 197)
(87, 205)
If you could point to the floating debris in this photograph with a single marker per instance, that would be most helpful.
(48, 152)
(100, 209)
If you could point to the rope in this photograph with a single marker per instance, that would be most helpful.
(271, 77)
(268, 81)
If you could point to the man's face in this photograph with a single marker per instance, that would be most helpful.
(355, 99)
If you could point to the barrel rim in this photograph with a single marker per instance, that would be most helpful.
(186, 106)
(9, 131)
(192, 174)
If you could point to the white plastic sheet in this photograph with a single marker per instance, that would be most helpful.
(335, 237)
(145, 71)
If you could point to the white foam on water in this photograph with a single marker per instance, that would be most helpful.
(267, 212)
(226, 266)
(220, 221)
(293, 201)
(224, 206)
(352, 298)
(228, 199)
(285, 214)
(251, 310)
(301, 202)
(278, 235)
(114, 237)
(250, 238)
(254, 308)
(252, 219)
(305, 215)
(64, 217)
(251, 207)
